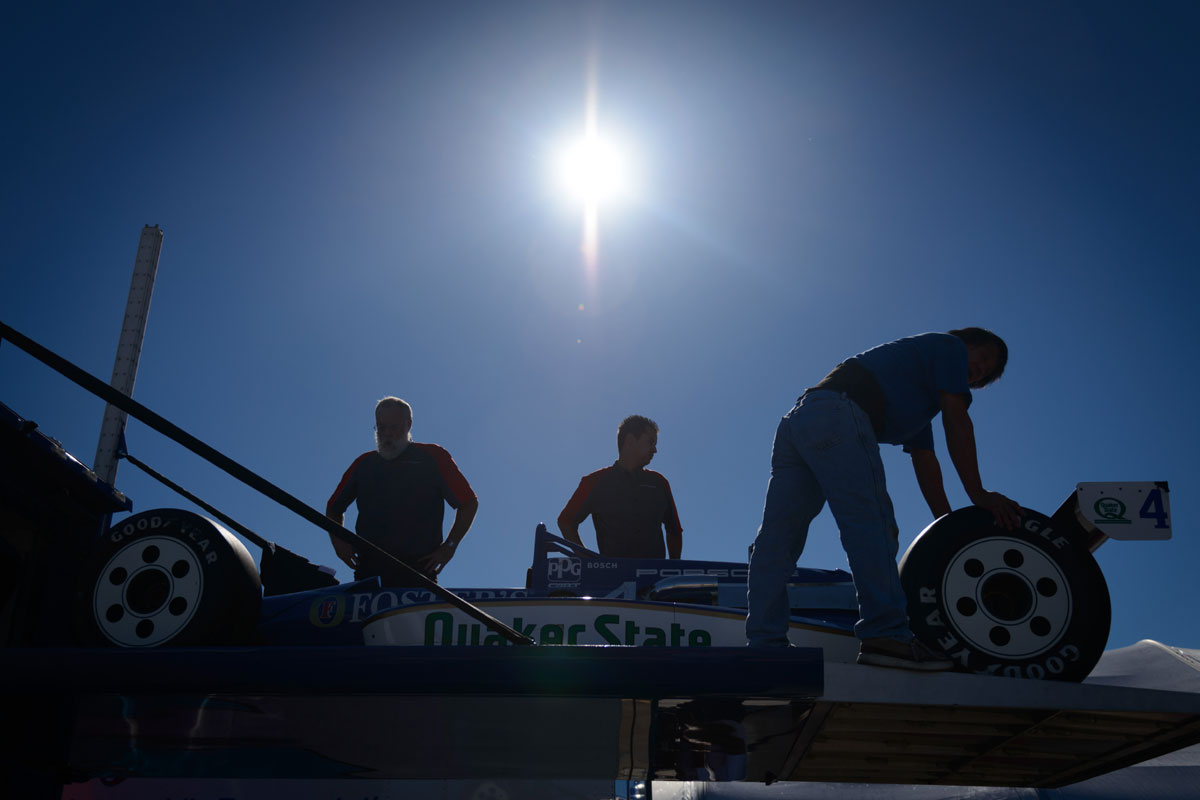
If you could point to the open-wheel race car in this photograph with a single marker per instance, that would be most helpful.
(1029, 602)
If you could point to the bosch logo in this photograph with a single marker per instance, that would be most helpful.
(559, 569)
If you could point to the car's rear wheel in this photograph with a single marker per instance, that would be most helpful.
(170, 577)
(1029, 602)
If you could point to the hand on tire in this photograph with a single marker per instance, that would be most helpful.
(1007, 512)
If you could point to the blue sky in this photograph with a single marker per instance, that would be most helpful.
(357, 202)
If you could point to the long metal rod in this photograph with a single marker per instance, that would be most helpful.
(211, 509)
(246, 476)
(129, 349)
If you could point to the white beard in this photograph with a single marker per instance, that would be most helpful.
(391, 450)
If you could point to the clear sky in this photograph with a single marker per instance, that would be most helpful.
(359, 200)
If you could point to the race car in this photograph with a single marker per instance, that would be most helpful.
(1029, 602)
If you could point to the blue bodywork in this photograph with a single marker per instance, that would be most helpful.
(334, 615)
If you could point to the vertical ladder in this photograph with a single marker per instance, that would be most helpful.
(129, 349)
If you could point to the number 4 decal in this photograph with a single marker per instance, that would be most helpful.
(1153, 509)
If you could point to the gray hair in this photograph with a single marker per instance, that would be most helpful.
(389, 402)
(396, 402)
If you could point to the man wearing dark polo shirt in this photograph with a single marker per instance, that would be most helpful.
(827, 451)
(400, 489)
(629, 504)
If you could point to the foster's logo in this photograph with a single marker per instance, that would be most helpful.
(326, 612)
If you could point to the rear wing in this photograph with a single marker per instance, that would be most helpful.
(563, 568)
(1125, 511)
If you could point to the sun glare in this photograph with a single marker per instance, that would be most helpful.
(593, 171)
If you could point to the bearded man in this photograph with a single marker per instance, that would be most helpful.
(400, 488)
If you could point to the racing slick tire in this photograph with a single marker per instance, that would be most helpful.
(1027, 603)
(169, 577)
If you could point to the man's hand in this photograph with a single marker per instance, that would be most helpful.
(569, 531)
(345, 551)
(436, 561)
(1007, 512)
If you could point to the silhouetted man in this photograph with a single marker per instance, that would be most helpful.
(629, 504)
(826, 450)
(401, 488)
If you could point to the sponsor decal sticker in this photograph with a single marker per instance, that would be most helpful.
(563, 569)
(129, 528)
(327, 612)
(440, 628)
(671, 572)
(332, 610)
(1111, 510)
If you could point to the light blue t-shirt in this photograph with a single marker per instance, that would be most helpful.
(912, 372)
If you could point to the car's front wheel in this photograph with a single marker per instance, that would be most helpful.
(1029, 602)
(173, 577)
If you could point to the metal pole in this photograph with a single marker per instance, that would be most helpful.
(129, 349)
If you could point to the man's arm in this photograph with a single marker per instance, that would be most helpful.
(568, 529)
(464, 515)
(929, 478)
(335, 509)
(574, 512)
(461, 497)
(674, 544)
(960, 441)
(671, 523)
(345, 550)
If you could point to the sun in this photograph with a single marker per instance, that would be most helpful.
(594, 171)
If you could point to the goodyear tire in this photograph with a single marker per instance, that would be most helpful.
(170, 577)
(1029, 603)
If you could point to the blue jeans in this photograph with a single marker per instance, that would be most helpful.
(825, 451)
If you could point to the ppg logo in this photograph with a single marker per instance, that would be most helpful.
(560, 569)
